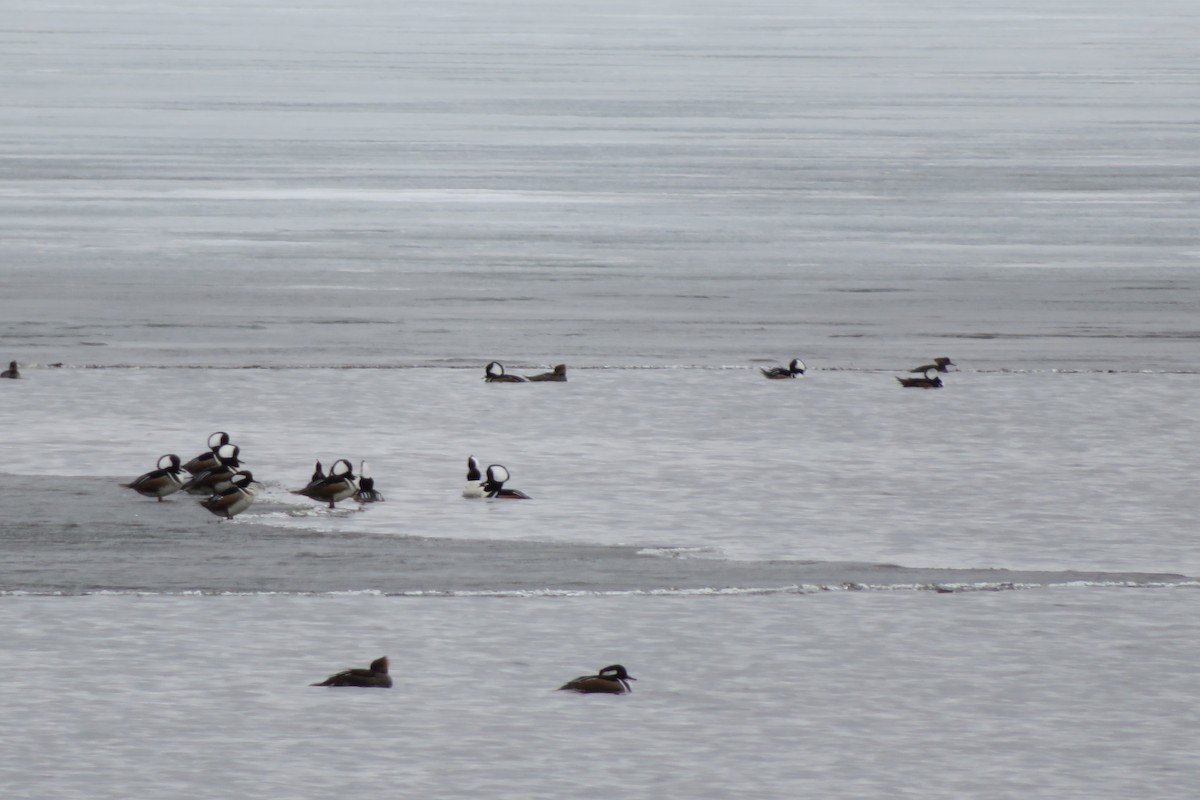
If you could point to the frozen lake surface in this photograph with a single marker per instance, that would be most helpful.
(311, 226)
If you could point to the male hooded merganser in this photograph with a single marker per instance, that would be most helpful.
(494, 373)
(338, 485)
(790, 371)
(474, 487)
(165, 480)
(216, 477)
(610, 680)
(927, 382)
(12, 371)
(375, 676)
(208, 459)
(497, 474)
(235, 498)
(559, 373)
(366, 486)
(939, 365)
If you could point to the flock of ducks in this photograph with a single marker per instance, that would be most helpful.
(228, 489)
(610, 680)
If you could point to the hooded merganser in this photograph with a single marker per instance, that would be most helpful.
(474, 486)
(366, 486)
(375, 676)
(559, 373)
(790, 371)
(610, 680)
(497, 474)
(235, 498)
(216, 477)
(927, 382)
(338, 485)
(12, 371)
(494, 373)
(208, 460)
(166, 479)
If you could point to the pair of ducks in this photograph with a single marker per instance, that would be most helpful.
(215, 473)
(493, 486)
(610, 680)
(494, 373)
(340, 484)
(930, 380)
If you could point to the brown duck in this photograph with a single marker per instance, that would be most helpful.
(375, 676)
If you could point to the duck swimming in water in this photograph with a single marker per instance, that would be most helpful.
(926, 382)
(474, 485)
(375, 676)
(494, 373)
(165, 480)
(497, 474)
(559, 374)
(366, 486)
(790, 371)
(610, 680)
(12, 371)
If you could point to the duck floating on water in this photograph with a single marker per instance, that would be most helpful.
(796, 367)
(366, 486)
(474, 485)
(375, 676)
(497, 474)
(927, 382)
(558, 374)
(610, 680)
(12, 371)
(494, 373)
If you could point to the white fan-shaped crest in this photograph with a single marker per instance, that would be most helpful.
(497, 473)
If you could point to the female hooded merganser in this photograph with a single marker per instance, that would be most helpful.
(610, 680)
(375, 676)
(208, 460)
(922, 383)
(338, 485)
(790, 371)
(474, 487)
(366, 486)
(939, 365)
(165, 480)
(235, 498)
(559, 374)
(494, 373)
(218, 476)
(497, 474)
(12, 371)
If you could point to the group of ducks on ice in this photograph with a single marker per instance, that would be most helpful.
(228, 490)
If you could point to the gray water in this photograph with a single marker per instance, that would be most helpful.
(312, 226)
